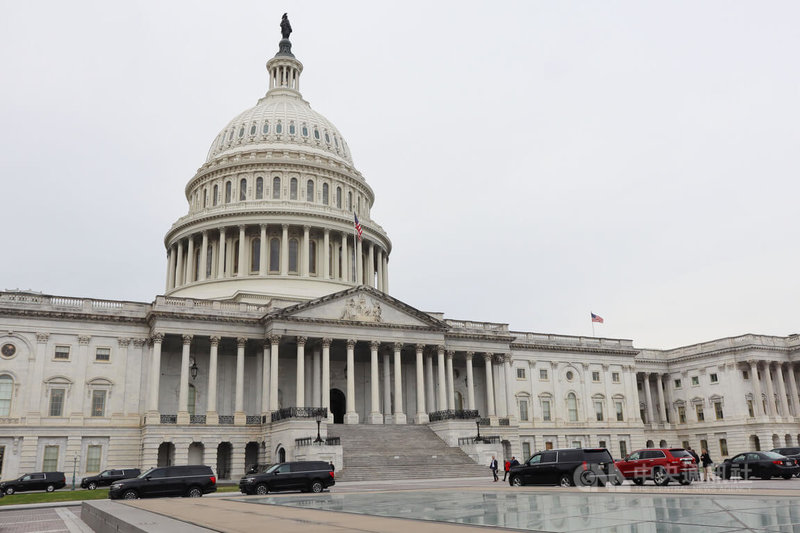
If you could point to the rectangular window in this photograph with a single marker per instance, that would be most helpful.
(750, 411)
(57, 402)
(6, 392)
(543, 374)
(98, 403)
(2, 455)
(623, 448)
(620, 415)
(576, 444)
(50, 460)
(595, 376)
(598, 411)
(718, 410)
(703, 444)
(526, 450)
(677, 383)
(601, 444)
(520, 373)
(548, 445)
(723, 447)
(102, 354)
(546, 410)
(714, 378)
(699, 410)
(685, 444)
(745, 374)
(523, 409)
(681, 414)
(615, 377)
(695, 381)
(62, 353)
(93, 458)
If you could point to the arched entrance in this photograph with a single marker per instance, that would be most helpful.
(338, 406)
(281, 455)
(166, 454)
(755, 443)
(196, 450)
(224, 460)
(662, 443)
(251, 454)
(649, 444)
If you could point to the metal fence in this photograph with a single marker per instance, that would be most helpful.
(299, 412)
(454, 414)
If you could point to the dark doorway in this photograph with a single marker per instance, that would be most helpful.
(251, 454)
(224, 460)
(338, 406)
(281, 455)
(166, 454)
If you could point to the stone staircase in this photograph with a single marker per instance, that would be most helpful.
(376, 452)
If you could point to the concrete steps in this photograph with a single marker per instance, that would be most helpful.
(373, 452)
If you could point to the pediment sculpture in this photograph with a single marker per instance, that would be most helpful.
(362, 310)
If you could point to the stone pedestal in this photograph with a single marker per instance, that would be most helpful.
(375, 418)
(183, 418)
(400, 418)
(351, 418)
(212, 419)
(239, 418)
(421, 418)
(152, 417)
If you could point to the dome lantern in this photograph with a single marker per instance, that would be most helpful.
(284, 69)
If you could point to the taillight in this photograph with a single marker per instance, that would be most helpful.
(331, 473)
(585, 466)
(777, 462)
(214, 479)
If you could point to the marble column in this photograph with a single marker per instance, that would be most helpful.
(326, 251)
(387, 389)
(284, 249)
(190, 261)
(153, 415)
(265, 377)
(202, 268)
(375, 416)
(399, 415)
(510, 400)
(351, 416)
(660, 390)
(442, 402)
(758, 408)
(239, 417)
(171, 269)
(429, 382)
(771, 407)
(380, 270)
(179, 268)
(370, 272)
(422, 415)
(359, 262)
(783, 394)
(470, 381)
(221, 254)
(304, 260)
(212, 416)
(451, 393)
(316, 374)
(487, 358)
(326, 377)
(263, 246)
(386, 274)
(344, 270)
(793, 390)
(648, 398)
(183, 385)
(273, 372)
(300, 395)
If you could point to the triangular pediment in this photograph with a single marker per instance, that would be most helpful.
(361, 305)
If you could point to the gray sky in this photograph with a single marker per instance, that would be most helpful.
(532, 161)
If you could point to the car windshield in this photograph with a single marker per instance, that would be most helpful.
(145, 473)
(773, 455)
(105, 473)
(272, 468)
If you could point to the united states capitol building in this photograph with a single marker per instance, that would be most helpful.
(276, 314)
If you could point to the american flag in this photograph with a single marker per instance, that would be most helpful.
(358, 226)
(597, 318)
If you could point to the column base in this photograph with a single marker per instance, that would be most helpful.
(351, 418)
(152, 417)
(400, 418)
(239, 418)
(421, 418)
(375, 418)
(388, 419)
(183, 417)
(212, 418)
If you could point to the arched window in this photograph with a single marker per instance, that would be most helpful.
(293, 256)
(216, 194)
(243, 190)
(253, 129)
(572, 407)
(325, 193)
(305, 130)
(279, 127)
(274, 255)
(291, 128)
(191, 400)
(227, 192)
(255, 255)
(349, 201)
(310, 191)
(339, 197)
(358, 205)
(6, 390)
(196, 264)
(259, 188)
(276, 188)
(236, 256)
(241, 132)
(316, 133)
(205, 198)
(312, 258)
(293, 189)
(266, 128)
(209, 261)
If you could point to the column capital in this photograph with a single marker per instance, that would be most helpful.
(41, 338)
(301, 341)
(123, 342)
(440, 348)
(508, 358)
(469, 355)
(398, 346)
(285, 227)
(306, 227)
(753, 362)
(222, 230)
(374, 345)
(488, 356)
(242, 227)
(204, 233)
(241, 341)
(83, 339)
(327, 231)
(187, 339)
(262, 226)
(274, 339)
(215, 340)
(351, 343)
(138, 343)
(420, 347)
(450, 354)
(157, 337)
(326, 342)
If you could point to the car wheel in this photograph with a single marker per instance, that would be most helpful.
(317, 487)
(10, 491)
(516, 481)
(660, 477)
(50, 488)
(194, 492)
(262, 489)
(565, 480)
(130, 495)
(92, 486)
(686, 480)
(787, 476)
(638, 481)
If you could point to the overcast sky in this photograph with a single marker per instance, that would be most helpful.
(532, 162)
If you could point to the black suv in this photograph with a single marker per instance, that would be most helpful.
(107, 477)
(189, 480)
(48, 481)
(305, 476)
(567, 467)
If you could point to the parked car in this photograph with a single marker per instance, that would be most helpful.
(48, 481)
(305, 476)
(567, 467)
(258, 468)
(188, 480)
(764, 465)
(107, 477)
(662, 465)
(791, 453)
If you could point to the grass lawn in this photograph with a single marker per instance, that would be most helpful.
(66, 495)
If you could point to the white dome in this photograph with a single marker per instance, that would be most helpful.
(280, 120)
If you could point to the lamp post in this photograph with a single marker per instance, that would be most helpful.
(193, 369)
(318, 418)
(74, 466)
(478, 438)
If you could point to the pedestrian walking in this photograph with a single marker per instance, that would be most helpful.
(506, 468)
(493, 468)
(693, 454)
(705, 458)
(514, 462)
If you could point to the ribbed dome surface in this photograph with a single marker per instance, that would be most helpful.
(280, 121)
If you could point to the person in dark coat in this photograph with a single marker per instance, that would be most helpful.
(493, 467)
(514, 462)
(693, 454)
(705, 458)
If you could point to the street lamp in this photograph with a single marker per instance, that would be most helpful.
(74, 465)
(318, 418)
(193, 369)
(478, 438)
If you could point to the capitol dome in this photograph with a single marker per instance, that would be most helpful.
(273, 210)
